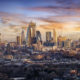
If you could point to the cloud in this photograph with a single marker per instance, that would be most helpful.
(57, 7)
(52, 26)
(57, 11)
(12, 19)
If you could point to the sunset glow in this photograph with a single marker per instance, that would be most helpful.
(47, 14)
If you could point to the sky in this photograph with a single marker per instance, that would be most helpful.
(63, 15)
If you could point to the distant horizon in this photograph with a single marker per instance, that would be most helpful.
(43, 35)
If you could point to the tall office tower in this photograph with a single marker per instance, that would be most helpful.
(22, 37)
(54, 36)
(29, 38)
(18, 40)
(48, 36)
(30, 33)
(38, 36)
(33, 27)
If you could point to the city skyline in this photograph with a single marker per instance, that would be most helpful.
(63, 15)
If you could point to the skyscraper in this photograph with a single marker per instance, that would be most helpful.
(30, 33)
(48, 36)
(18, 40)
(22, 37)
(33, 26)
(54, 36)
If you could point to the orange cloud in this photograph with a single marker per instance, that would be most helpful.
(77, 28)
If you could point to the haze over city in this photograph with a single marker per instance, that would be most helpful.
(63, 15)
(39, 39)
